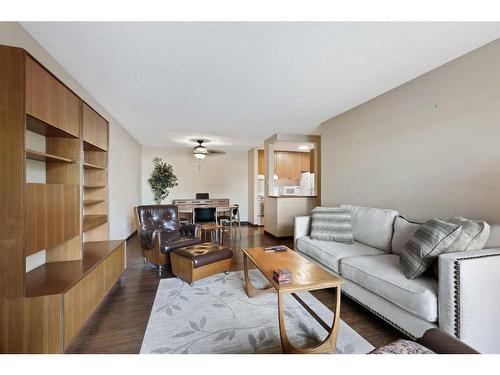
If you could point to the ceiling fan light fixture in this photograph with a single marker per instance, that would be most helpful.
(200, 151)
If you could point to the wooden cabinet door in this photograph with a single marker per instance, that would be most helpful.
(95, 128)
(282, 165)
(41, 93)
(276, 164)
(52, 215)
(68, 111)
(305, 162)
(261, 162)
(81, 301)
(295, 165)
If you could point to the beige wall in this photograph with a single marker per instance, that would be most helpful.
(429, 148)
(124, 181)
(222, 176)
(124, 150)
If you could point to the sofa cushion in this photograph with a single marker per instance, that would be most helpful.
(422, 250)
(382, 275)
(329, 253)
(473, 236)
(331, 224)
(404, 229)
(493, 241)
(373, 226)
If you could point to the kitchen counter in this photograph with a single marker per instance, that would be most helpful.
(280, 213)
(293, 196)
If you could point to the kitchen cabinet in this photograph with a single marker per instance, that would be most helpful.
(305, 162)
(288, 165)
(261, 162)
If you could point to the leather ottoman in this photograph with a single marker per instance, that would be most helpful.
(199, 261)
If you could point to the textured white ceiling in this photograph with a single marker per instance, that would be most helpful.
(239, 83)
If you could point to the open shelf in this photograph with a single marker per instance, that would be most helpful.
(37, 126)
(92, 166)
(59, 277)
(88, 202)
(43, 156)
(90, 147)
(92, 221)
(88, 186)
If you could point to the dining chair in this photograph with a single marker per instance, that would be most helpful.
(232, 219)
(204, 215)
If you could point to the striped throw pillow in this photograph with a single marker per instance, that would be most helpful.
(332, 224)
(431, 239)
(473, 237)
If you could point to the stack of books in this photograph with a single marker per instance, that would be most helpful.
(273, 249)
(282, 276)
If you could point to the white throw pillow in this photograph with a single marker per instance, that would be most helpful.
(373, 226)
(404, 229)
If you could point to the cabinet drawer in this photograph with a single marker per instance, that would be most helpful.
(95, 128)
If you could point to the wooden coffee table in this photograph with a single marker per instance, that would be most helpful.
(306, 276)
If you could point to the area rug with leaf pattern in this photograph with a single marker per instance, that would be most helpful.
(216, 316)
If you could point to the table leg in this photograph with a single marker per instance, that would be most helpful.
(249, 288)
(231, 224)
(328, 345)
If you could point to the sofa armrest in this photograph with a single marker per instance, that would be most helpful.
(302, 227)
(469, 295)
(149, 238)
(442, 343)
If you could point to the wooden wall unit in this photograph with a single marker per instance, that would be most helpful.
(67, 216)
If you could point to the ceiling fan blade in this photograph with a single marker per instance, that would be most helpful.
(216, 152)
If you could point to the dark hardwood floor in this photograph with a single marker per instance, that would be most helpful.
(119, 324)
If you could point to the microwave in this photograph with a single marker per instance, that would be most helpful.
(289, 190)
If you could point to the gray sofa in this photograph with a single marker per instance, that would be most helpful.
(464, 300)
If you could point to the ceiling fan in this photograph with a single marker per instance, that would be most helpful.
(200, 151)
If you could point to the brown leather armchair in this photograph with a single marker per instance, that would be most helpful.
(160, 232)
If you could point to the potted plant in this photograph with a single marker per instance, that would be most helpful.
(162, 179)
